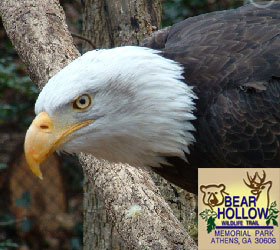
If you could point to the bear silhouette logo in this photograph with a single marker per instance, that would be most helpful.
(213, 195)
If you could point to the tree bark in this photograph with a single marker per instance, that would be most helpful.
(140, 214)
(98, 230)
(40, 35)
(143, 219)
(115, 23)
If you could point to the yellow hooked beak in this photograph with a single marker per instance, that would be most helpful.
(43, 137)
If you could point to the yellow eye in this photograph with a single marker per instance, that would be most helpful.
(82, 102)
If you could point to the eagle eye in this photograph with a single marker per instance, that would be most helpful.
(82, 102)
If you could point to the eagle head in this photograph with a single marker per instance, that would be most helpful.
(127, 104)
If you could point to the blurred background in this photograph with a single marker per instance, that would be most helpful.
(26, 203)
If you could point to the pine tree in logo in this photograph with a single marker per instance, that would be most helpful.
(209, 216)
(272, 216)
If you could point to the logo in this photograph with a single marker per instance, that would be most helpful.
(239, 209)
(259, 187)
(213, 195)
(263, 4)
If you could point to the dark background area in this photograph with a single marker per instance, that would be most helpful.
(26, 204)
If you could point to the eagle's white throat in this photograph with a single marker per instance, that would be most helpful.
(141, 106)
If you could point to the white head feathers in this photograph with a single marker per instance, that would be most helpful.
(140, 105)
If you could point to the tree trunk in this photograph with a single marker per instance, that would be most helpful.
(39, 34)
(115, 23)
(109, 24)
(143, 219)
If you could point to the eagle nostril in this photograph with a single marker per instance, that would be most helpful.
(44, 127)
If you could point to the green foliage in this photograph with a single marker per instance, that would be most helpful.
(209, 216)
(75, 243)
(7, 218)
(71, 166)
(3, 166)
(11, 78)
(207, 213)
(210, 224)
(24, 200)
(272, 216)
(9, 224)
(8, 244)
(17, 94)
(26, 225)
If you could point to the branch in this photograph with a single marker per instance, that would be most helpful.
(85, 39)
(39, 33)
(134, 203)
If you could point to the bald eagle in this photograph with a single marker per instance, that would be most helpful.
(206, 93)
